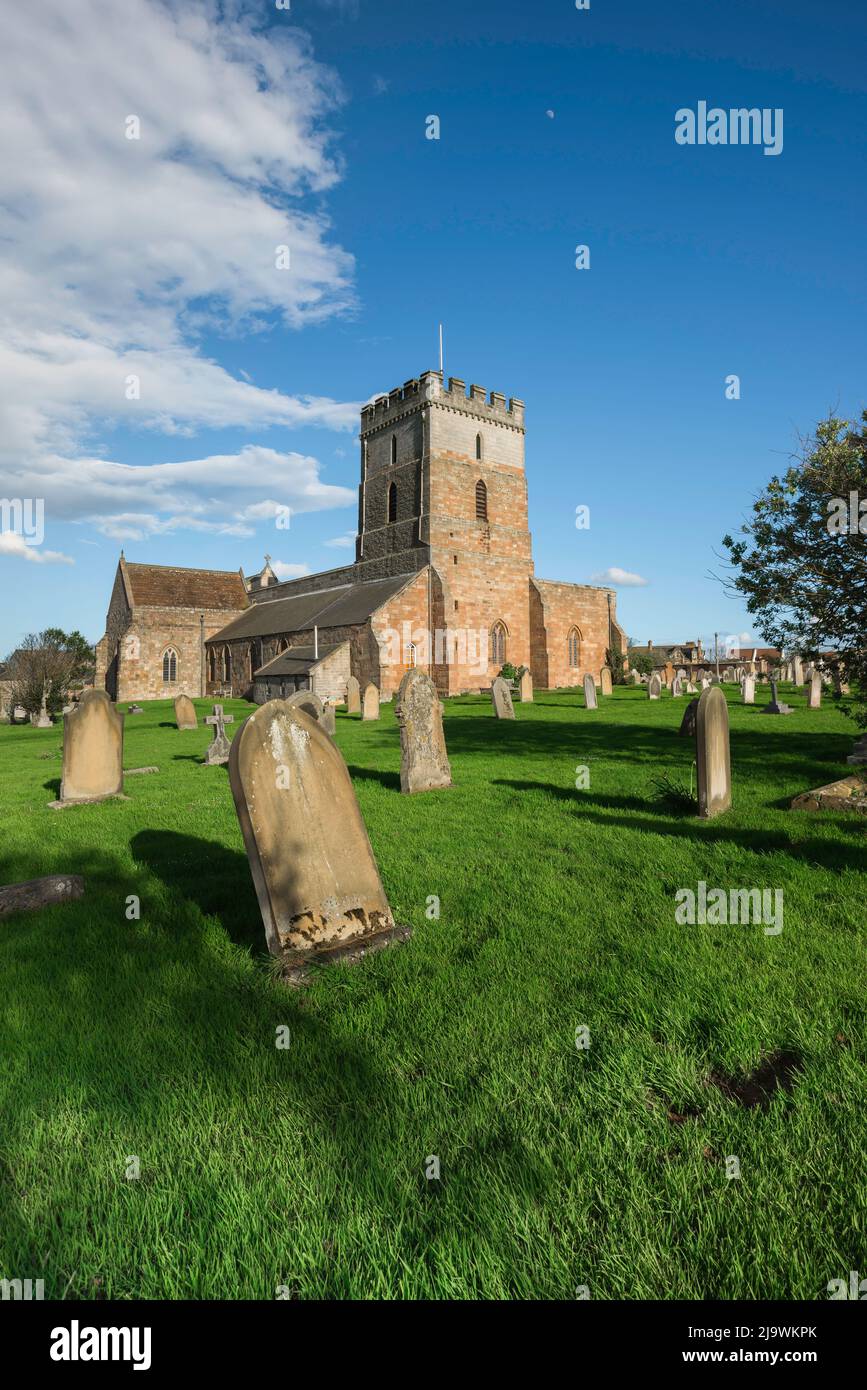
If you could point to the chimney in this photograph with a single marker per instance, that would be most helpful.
(649, 645)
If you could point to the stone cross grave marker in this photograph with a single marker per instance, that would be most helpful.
(590, 699)
(424, 763)
(654, 687)
(44, 721)
(92, 751)
(319, 890)
(525, 688)
(501, 699)
(712, 754)
(370, 702)
(353, 696)
(814, 700)
(776, 706)
(605, 680)
(218, 751)
(185, 713)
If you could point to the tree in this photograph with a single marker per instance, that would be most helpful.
(614, 661)
(802, 564)
(48, 663)
(642, 662)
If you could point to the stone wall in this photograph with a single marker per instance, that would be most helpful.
(556, 608)
(149, 633)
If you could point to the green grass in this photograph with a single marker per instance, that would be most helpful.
(305, 1167)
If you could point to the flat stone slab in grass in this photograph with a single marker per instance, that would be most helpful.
(185, 713)
(849, 794)
(138, 771)
(36, 893)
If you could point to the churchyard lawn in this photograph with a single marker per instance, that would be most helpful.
(303, 1168)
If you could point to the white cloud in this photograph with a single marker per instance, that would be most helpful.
(13, 544)
(622, 578)
(119, 254)
(344, 542)
(284, 571)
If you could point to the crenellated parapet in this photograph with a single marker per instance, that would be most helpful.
(430, 389)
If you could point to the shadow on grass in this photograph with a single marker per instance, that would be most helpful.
(391, 780)
(206, 873)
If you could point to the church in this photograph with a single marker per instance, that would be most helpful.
(443, 579)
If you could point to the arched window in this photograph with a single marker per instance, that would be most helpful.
(478, 446)
(481, 501)
(392, 502)
(574, 647)
(394, 448)
(282, 645)
(212, 664)
(227, 664)
(170, 665)
(410, 654)
(498, 644)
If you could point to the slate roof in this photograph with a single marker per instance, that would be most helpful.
(339, 607)
(297, 661)
(168, 586)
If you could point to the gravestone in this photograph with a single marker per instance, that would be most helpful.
(36, 893)
(316, 879)
(687, 723)
(353, 696)
(776, 706)
(590, 700)
(858, 756)
(19, 714)
(635, 677)
(605, 680)
(424, 763)
(814, 699)
(501, 699)
(134, 709)
(185, 713)
(218, 751)
(525, 688)
(848, 794)
(748, 690)
(676, 688)
(654, 687)
(690, 688)
(92, 751)
(44, 721)
(329, 718)
(705, 682)
(712, 755)
(370, 702)
(310, 703)
(798, 671)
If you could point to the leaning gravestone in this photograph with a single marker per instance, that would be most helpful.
(501, 699)
(370, 702)
(687, 723)
(590, 699)
(92, 751)
(424, 763)
(748, 690)
(353, 696)
(525, 688)
(605, 680)
(712, 755)
(185, 713)
(218, 751)
(315, 876)
(814, 699)
(776, 706)
(654, 687)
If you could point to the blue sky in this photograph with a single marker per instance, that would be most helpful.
(260, 127)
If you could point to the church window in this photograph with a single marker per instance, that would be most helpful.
(410, 654)
(170, 665)
(478, 446)
(481, 501)
(212, 664)
(392, 502)
(394, 448)
(574, 647)
(227, 664)
(498, 644)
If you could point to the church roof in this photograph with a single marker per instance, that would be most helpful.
(342, 606)
(297, 661)
(169, 586)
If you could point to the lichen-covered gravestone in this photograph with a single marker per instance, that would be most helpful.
(712, 755)
(353, 696)
(218, 750)
(676, 688)
(315, 876)
(815, 697)
(748, 690)
(525, 688)
(370, 702)
(654, 687)
(92, 751)
(185, 713)
(424, 763)
(501, 698)
(590, 699)
(605, 680)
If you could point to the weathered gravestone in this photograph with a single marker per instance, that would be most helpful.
(44, 721)
(501, 699)
(92, 751)
(712, 755)
(312, 705)
(814, 699)
(370, 702)
(525, 688)
(590, 699)
(353, 696)
(329, 717)
(748, 690)
(676, 689)
(218, 750)
(37, 893)
(687, 723)
(776, 706)
(424, 763)
(315, 876)
(858, 756)
(654, 687)
(798, 671)
(690, 688)
(605, 680)
(185, 713)
(635, 677)
(848, 794)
